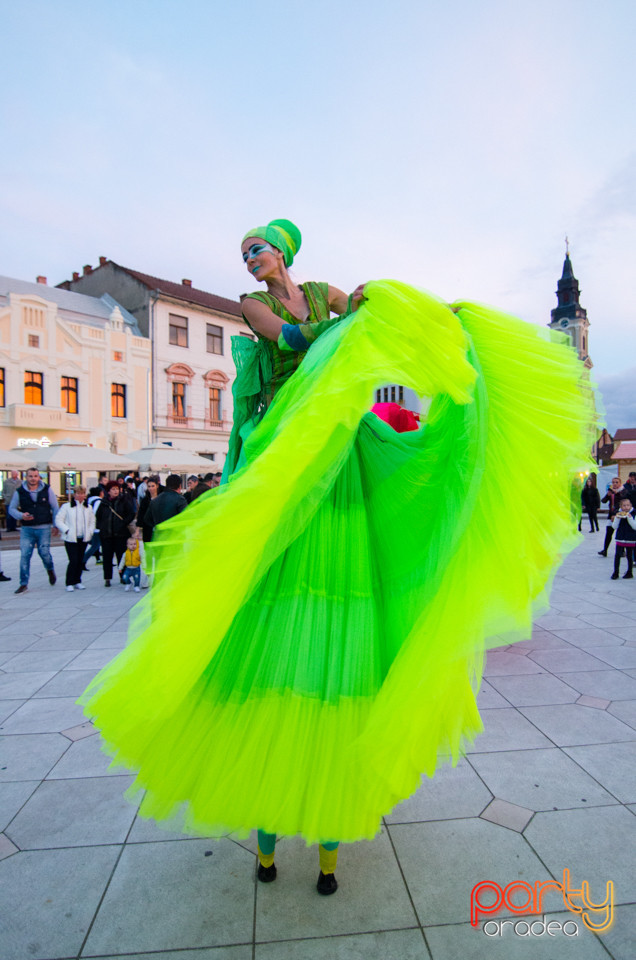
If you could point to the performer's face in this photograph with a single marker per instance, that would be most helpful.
(260, 258)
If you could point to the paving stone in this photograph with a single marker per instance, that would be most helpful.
(616, 656)
(240, 952)
(30, 756)
(51, 897)
(506, 814)
(442, 862)
(92, 658)
(570, 724)
(595, 702)
(612, 764)
(489, 699)
(7, 847)
(589, 637)
(507, 730)
(596, 845)
(18, 686)
(503, 664)
(40, 661)
(453, 792)
(66, 683)
(388, 945)
(539, 779)
(535, 690)
(43, 716)
(8, 707)
(464, 942)
(215, 896)
(562, 661)
(624, 710)
(13, 796)
(606, 684)
(73, 813)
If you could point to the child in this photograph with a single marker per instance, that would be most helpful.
(130, 564)
(625, 525)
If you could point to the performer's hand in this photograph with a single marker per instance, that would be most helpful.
(358, 296)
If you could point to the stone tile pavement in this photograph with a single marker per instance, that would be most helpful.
(549, 785)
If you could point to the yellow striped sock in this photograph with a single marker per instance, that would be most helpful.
(266, 859)
(328, 859)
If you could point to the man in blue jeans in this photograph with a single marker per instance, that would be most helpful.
(35, 505)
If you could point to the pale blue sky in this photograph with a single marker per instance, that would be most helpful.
(451, 145)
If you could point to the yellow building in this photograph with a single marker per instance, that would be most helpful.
(70, 366)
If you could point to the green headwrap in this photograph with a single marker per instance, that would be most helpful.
(282, 234)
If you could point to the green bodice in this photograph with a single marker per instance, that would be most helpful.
(284, 363)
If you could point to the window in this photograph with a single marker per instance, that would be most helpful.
(118, 400)
(178, 330)
(33, 388)
(2, 388)
(69, 394)
(118, 356)
(393, 394)
(215, 403)
(178, 400)
(214, 338)
(34, 341)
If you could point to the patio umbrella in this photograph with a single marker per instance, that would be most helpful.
(15, 460)
(74, 455)
(157, 457)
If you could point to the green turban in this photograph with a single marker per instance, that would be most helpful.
(282, 234)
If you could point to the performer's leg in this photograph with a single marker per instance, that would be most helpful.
(328, 854)
(266, 848)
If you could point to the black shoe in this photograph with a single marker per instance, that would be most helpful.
(327, 883)
(107, 583)
(628, 576)
(52, 577)
(22, 588)
(84, 569)
(614, 576)
(3, 579)
(602, 553)
(266, 874)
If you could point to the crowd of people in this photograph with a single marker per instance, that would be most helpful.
(110, 522)
(621, 518)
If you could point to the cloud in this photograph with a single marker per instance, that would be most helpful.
(619, 398)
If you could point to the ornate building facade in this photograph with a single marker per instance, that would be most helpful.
(569, 316)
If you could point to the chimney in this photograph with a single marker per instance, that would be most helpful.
(76, 276)
(102, 261)
(186, 283)
(87, 269)
(41, 280)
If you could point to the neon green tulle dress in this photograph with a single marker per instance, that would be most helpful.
(315, 633)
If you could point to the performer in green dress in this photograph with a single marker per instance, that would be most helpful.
(335, 653)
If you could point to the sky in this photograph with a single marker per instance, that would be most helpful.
(452, 145)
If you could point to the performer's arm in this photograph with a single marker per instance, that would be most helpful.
(261, 318)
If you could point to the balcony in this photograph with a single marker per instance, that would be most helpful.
(172, 420)
(34, 417)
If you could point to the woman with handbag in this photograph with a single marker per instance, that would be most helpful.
(114, 516)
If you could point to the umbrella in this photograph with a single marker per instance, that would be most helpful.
(74, 455)
(15, 459)
(158, 457)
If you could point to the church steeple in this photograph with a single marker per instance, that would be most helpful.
(569, 316)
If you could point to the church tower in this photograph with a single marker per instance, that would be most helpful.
(569, 316)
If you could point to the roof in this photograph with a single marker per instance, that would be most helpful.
(183, 291)
(625, 451)
(76, 307)
(625, 433)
